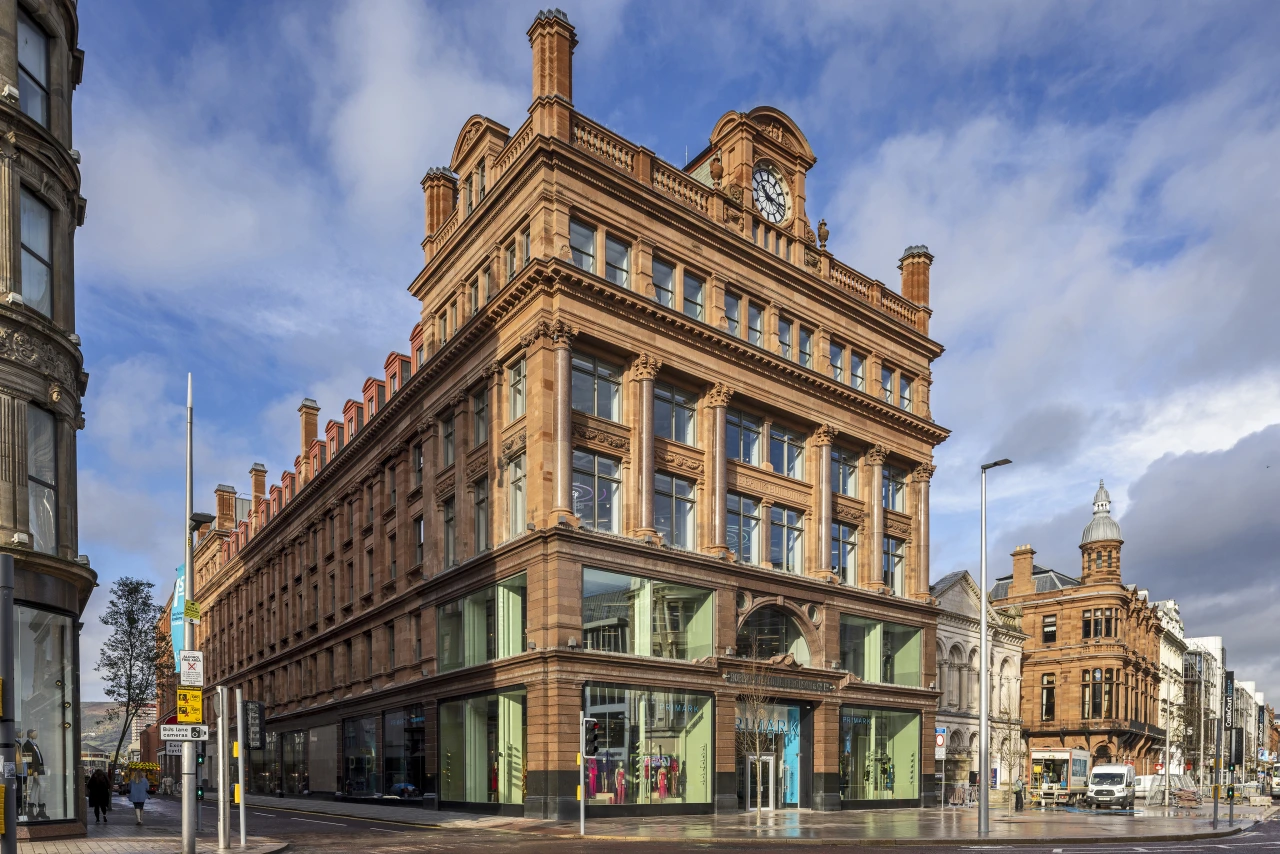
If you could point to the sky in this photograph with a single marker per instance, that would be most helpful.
(1099, 184)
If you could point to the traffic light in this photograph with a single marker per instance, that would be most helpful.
(199, 759)
(591, 737)
(200, 793)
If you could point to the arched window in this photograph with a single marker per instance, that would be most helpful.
(771, 631)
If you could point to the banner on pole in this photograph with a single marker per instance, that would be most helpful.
(177, 626)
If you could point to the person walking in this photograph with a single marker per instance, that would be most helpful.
(99, 791)
(1017, 795)
(138, 793)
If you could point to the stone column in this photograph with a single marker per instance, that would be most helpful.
(8, 215)
(822, 439)
(645, 368)
(922, 475)
(10, 439)
(718, 400)
(875, 459)
(562, 345)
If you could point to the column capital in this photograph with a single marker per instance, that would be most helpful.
(924, 472)
(825, 434)
(559, 333)
(646, 367)
(877, 454)
(719, 395)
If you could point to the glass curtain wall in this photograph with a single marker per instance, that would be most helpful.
(876, 651)
(655, 747)
(482, 626)
(43, 716)
(482, 748)
(641, 616)
(879, 754)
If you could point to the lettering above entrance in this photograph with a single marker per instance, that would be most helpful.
(786, 683)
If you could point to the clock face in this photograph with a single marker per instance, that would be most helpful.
(770, 194)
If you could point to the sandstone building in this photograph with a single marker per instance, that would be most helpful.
(1091, 662)
(41, 384)
(651, 447)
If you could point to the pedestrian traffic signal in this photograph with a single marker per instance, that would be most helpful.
(200, 791)
(199, 758)
(591, 737)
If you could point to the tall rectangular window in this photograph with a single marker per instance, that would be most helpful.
(673, 414)
(836, 354)
(511, 261)
(1049, 628)
(755, 324)
(597, 387)
(733, 313)
(419, 540)
(368, 570)
(42, 480)
(743, 526)
(468, 196)
(673, 509)
(516, 497)
(785, 345)
(597, 482)
(664, 283)
(582, 245)
(886, 384)
(857, 372)
(368, 504)
(390, 630)
(442, 327)
(617, 262)
(638, 616)
(486, 287)
(844, 552)
(742, 436)
(844, 472)
(417, 635)
(904, 392)
(480, 514)
(450, 534)
(786, 452)
(480, 178)
(351, 582)
(391, 480)
(806, 347)
(391, 557)
(479, 417)
(515, 382)
(473, 297)
(786, 539)
(33, 69)
(693, 287)
(1048, 701)
(417, 465)
(891, 569)
(37, 265)
(526, 247)
(446, 441)
(893, 488)
(333, 601)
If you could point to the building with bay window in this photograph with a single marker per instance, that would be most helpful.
(629, 465)
(41, 384)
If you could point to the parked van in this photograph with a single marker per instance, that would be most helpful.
(1111, 786)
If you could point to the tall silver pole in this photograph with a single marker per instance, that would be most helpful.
(1168, 745)
(582, 774)
(224, 801)
(242, 756)
(189, 781)
(8, 737)
(984, 680)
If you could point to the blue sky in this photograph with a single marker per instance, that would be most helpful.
(1098, 181)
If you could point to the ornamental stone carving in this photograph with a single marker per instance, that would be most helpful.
(719, 395)
(444, 485)
(30, 351)
(556, 331)
(683, 463)
(877, 455)
(511, 448)
(825, 434)
(646, 367)
(477, 466)
(493, 369)
(592, 434)
(924, 471)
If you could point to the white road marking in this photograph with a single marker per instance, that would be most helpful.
(386, 830)
(316, 821)
(267, 814)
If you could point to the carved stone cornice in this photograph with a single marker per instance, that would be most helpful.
(603, 437)
(825, 434)
(444, 485)
(681, 463)
(877, 454)
(511, 448)
(719, 395)
(646, 367)
(31, 351)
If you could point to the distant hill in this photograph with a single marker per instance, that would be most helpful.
(96, 732)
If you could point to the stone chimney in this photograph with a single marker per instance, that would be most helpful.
(1024, 560)
(553, 39)
(226, 497)
(257, 491)
(915, 264)
(310, 416)
(440, 193)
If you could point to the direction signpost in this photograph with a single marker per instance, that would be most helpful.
(940, 755)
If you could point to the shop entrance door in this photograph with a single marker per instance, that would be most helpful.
(768, 780)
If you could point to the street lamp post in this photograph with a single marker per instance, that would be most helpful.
(984, 675)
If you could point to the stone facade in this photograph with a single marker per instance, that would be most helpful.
(42, 382)
(602, 478)
(1091, 663)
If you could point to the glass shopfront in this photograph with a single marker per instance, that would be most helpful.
(360, 757)
(483, 626)
(879, 755)
(655, 747)
(43, 711)
(482, 749)
(295, 780)
(404, 748)
(876, 651)
(264, 766)
(640, 616)
(771, 741)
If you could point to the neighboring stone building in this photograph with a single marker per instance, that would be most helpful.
(1203, 668)
(652, 448)
(1173, 709)
(1091, 663)
(957, 655)
(42, 381)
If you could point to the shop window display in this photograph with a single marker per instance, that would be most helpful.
(43, 711)
(294, 763)
(879, 754)
(265, 766)
(360, 757)
(641, 616)
(876, 651)
(482, 626)
(655, 747)
(771, 631)
(482, 748)
(403, 753)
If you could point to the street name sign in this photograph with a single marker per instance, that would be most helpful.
(191, 668)
(183, 732)
(190, 706)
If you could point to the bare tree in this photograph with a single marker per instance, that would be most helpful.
(1006, 731)
(128, 659)
(755, 741)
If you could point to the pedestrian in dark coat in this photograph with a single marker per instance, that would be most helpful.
(99, 791)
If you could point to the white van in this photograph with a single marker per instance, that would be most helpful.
(1111, 786)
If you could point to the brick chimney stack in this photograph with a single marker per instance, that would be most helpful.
(310, 417)
(1024, 560)
(915, 264)
(226, 516)
(258, 490)
(553, 39)
(440, 193)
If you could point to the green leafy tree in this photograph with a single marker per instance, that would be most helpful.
(127, 661)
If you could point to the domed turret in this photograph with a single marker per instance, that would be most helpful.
(1101, 526)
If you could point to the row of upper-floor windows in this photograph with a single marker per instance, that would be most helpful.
(1095, 623)
(1105, 693)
